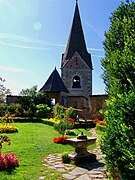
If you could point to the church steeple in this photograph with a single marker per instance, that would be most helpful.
(76, 41)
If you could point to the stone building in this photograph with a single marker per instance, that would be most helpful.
(76, 66)
(56, 89)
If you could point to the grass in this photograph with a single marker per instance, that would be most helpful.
(32, 144)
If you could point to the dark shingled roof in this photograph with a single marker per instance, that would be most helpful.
(76, 41)
(54, 83)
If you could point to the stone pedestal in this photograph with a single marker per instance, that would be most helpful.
(81, 154)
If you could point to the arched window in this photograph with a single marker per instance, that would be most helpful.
(76, 82)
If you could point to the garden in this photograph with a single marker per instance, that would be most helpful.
(31, 130)
(26, 141)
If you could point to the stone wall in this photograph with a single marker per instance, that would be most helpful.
(97, 102)
(12, 99)
(86, 107)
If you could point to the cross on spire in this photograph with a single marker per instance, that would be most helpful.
(76, 1)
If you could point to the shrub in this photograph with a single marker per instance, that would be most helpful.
(70, 113)
(118, 141)
(62, 126)
(8, 124)
(8, 162)
(4, 139)
(100, 128)
(8, 129)
(3, 109)
(65, 158)
(70, 132)
(58, 111)
(42, 110)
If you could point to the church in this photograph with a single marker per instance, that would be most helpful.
(74, 86)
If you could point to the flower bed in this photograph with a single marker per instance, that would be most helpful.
(60, 139)
(8, 161)
(8, 129)
(96, 121)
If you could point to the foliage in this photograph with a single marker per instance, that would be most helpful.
(7, 119)
(100, 128)
(42, 110)
(3, 91)
(60, 139)
(14, 109)
(70, 132)
(118, 141)
(8, 129)
(58, 111)
(4, 139)
(7, 124)
(70, 113)
(8, 162)
(65, 158)
(50, 121)
(119, 45)
(3, 108)
(29, 98)
(62, 126)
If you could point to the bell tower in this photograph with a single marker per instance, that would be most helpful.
(76, 65)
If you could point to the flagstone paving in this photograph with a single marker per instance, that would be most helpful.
(91, 171)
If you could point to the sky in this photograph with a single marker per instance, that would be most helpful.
(34, 34)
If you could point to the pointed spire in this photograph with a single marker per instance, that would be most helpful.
(54, 83)
(76, 41)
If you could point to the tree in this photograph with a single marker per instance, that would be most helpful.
(3, 91)
(119, 45)
(118, 141)
(29, 98)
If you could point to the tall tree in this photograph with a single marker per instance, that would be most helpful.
(118, 141)
(3, 91)
(119, 45)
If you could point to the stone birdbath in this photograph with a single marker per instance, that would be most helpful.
(81, 154)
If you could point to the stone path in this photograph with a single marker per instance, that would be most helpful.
(92, 171)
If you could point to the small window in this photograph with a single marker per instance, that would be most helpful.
(52, 102)
(76, 82)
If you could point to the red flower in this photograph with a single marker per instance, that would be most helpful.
(60, 139)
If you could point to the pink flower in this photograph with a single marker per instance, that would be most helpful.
(8, 161)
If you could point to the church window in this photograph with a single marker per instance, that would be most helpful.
(76, 82)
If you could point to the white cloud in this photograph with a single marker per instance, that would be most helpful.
(95, 49)
(14, 69)
(17, 41)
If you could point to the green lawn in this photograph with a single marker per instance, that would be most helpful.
(31, 144)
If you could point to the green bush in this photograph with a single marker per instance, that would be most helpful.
(70, 132)
(100, 127)
(118, 141)
(58, 111)
(70, 113)
(3, 109)
(43, 110)
(62, 126)
(65, 158)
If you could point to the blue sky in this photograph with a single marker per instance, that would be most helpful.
(34, 34)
